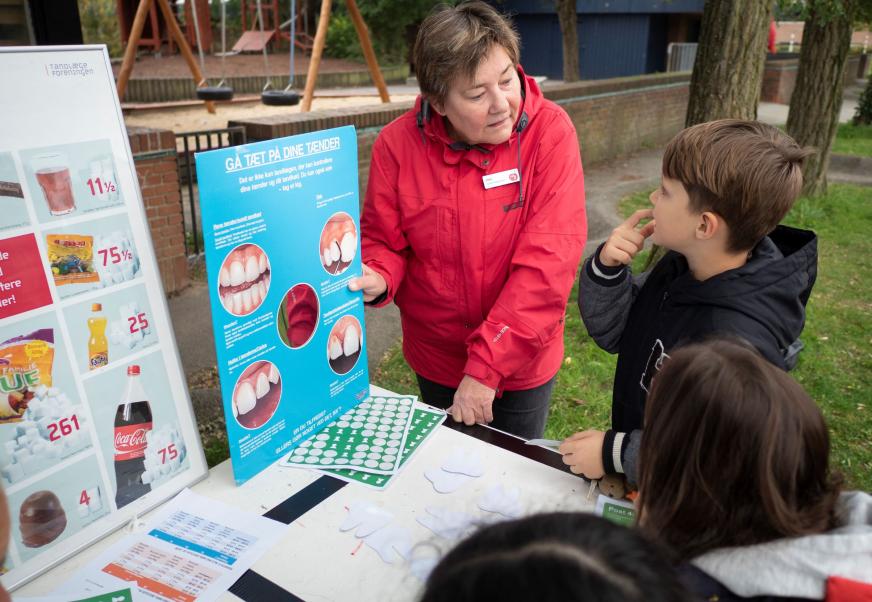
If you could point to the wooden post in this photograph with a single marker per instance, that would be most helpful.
(176, 33)
(315, 60)
(366, 46)
(132, 44)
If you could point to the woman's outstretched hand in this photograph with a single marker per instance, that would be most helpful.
(371, 283)
(473, 402)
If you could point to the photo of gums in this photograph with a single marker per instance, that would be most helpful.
(344, 344)
(338, 243)
(257, 394)
(243, 281)
(297, 317)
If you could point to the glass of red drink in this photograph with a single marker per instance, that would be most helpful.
(53, 175)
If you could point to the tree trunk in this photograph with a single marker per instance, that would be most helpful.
(566, 14)
(728, 71)
(817, 97)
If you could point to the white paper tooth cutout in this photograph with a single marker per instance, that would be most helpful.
(446, 482)
(273, 374)
(392, 543)
(464, 461)
(351, 344)
(237, 273)
(446, 523)
(502, 500)
(262, 386)
(347, 246)
(335, 349)
(365, 518)
(252, 270)
(246, 398)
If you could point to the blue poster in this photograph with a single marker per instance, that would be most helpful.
(282, 237)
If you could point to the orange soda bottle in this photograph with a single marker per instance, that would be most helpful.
(98, 345)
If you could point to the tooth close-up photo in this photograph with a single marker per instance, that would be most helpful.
(257, 394)
(338, 243)
(243, 281)
(344, 344)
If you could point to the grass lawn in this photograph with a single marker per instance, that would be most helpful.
(853, 140)
(835, 367)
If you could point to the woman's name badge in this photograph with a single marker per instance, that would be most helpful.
(501, 178)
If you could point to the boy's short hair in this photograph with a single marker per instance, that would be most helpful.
(454, 40)
(747, 172)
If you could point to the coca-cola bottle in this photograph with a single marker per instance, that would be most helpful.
(132, 422)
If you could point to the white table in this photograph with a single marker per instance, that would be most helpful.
(314, 561)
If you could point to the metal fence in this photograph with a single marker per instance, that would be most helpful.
(680, 57)
(188, 143)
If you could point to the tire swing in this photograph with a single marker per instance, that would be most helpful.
(221, 91)
(287, 97)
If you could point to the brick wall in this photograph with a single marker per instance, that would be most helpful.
(613, 117)
(779, 77)
(619, 122)
(154, 154)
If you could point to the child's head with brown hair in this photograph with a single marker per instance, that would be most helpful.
(555, 557)
(746, 172)
(734, 453)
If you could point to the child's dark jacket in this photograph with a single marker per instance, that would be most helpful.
(645, 318)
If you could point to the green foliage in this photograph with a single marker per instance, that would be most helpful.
(390, 22)
(100, 24)
(216, 449)
(853, 140)
(863, 114)
(858, 11)
(342, 42)
(233, 19)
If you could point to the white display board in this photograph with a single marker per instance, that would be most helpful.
(85, 333)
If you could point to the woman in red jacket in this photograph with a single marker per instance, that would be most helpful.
(474, 224)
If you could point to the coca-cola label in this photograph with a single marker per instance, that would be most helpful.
(130, 441)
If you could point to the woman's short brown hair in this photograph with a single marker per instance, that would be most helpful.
(748, 172)
(734, 453)
(454, 40)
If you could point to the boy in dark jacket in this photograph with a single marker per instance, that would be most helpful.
(730, 270)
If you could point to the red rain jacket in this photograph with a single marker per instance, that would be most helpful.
(481, 278)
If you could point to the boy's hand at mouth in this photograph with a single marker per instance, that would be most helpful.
(627, 239)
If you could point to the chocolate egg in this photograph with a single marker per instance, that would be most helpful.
(41, 518)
